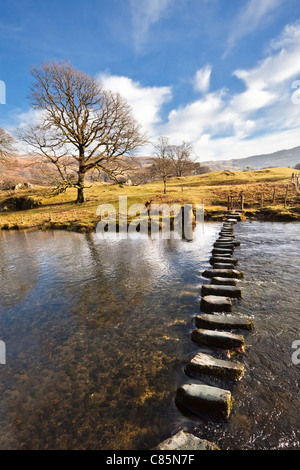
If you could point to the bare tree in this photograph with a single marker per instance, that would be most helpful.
(162, 164)
(181, 156)
(82, 127)
(6, 147)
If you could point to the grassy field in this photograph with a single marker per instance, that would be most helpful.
(61, 211)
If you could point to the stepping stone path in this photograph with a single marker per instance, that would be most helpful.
(214, 330)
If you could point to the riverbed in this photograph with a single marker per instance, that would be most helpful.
(97, 334)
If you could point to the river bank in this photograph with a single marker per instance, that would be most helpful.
(268, 195)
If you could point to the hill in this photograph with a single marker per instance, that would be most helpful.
(282, 158)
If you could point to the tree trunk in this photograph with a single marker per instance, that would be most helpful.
(81, 176)
(165, 186)
(80, 189)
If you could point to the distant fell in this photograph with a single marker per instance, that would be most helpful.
(282, 158)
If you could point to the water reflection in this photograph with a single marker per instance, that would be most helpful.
(95, 349)
(97, 334)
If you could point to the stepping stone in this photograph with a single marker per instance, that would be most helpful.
(217, 339)
(231, 221)
(221, 259)
(223, 322)
(223, 246)
(225, 255)
(226, 233)
(228, 291)
(221, 251)
(186, 441)
(206, 364)
(214, 303)
(222, 281)
(223, 266)
(230, 273)
(205, 399)
(228, 240)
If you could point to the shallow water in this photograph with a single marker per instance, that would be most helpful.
(97, 334)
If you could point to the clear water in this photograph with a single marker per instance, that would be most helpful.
(97, 334)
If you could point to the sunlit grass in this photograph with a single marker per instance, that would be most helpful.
(212, 189)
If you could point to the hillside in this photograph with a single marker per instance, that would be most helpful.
(282, 158)
(47, 211)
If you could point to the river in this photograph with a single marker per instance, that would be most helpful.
(97, 334)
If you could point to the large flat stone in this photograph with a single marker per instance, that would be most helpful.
(223, 246)
(205, 399)
(217, 339)
(231, 220)
(205, 364)
(228, 291)
(229, 241)
(214, 303)
(223, 322)
(186, 441)
(226, 233)
(223, 259)
(224, 266)
(222, 251)
(223, 281)
(230, 273)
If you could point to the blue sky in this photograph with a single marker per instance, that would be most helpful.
(217, 73)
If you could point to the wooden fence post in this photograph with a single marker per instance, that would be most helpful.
(261, 200)
(286, 195)
(242, 201)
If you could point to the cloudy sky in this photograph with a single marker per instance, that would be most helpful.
(222, 74)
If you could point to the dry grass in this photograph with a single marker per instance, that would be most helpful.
(213, 189)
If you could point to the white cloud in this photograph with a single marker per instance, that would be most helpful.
(250, 17)
(145, 13)
(260, 119)
(146, 102)
(202, 79)
(220, 124)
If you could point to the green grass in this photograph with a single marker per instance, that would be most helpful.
(213, 189)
